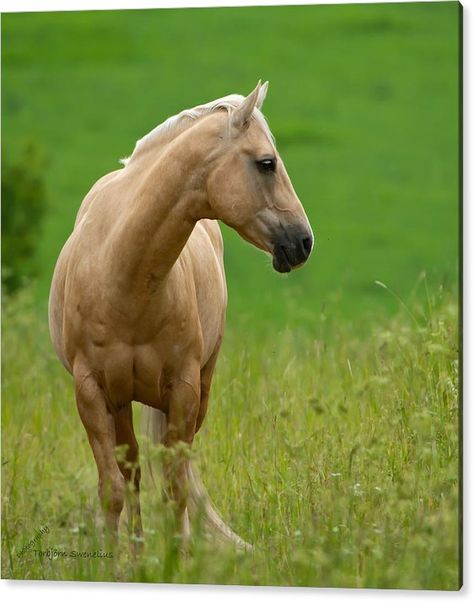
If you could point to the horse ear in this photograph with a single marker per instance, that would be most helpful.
(262, 94)
(240, 117)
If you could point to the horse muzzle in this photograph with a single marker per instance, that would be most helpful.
(291, 248)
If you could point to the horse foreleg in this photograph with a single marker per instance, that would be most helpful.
(130, 469)
(183, 410)
(100, 428)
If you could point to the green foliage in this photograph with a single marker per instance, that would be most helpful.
(363, 102)
(335, 455)
(23, 209)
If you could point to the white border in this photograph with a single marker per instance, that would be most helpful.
(57, 591)
(69, 5)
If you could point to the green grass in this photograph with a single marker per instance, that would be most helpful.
(363, 102)
(336, 455)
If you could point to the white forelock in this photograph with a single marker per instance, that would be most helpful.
(174, 125)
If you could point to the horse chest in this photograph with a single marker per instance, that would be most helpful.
(141, 372)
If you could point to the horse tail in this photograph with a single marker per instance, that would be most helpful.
(199, 501)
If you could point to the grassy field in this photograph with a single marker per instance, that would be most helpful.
(363, 102)
(337, 457)
(331, 442)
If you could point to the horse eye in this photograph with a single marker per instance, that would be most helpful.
(266, 165)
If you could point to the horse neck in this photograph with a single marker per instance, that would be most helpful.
(169, 198)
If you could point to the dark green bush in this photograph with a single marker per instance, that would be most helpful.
(23, 208)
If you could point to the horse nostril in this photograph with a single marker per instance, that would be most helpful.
(307, 244)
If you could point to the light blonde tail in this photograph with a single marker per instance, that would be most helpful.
(199, 501)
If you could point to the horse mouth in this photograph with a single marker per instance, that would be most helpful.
(281, 263)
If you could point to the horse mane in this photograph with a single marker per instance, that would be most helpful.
(175, 125)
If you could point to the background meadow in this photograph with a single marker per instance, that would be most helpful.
(332, 437)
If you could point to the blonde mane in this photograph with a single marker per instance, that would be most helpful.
(175, 125)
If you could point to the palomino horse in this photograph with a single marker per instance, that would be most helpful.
(138, 297)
